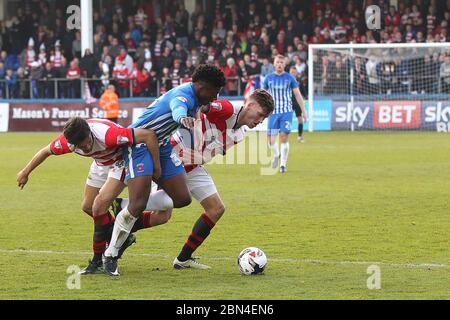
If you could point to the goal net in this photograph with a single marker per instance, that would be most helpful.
(379, 87)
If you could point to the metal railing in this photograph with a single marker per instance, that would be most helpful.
(62, 88)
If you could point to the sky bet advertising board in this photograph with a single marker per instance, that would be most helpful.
(392, 115)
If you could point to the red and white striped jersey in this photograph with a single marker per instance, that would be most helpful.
(56, 59)
(109, 138)
(218, 130)
(31, 56)
(42, 58)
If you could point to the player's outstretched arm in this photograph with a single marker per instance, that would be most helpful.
(179, 109)
(39, 157)
(300, 101)
(149, 137)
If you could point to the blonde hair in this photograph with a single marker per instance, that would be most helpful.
(279, 56)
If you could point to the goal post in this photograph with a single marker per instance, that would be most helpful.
(402, 86)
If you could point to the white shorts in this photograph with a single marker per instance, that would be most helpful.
(200, 184)
(99, 174)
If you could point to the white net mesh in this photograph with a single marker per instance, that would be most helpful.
(403, 87)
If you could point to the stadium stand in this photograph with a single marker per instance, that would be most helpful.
(148, 47)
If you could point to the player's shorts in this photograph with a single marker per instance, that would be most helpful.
(200, 184)
(139, 162)
(99, 174)
(279, 122)
(297, 109)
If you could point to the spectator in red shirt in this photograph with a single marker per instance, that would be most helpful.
(393, 18)
(74, 74)
(355, 37)
(120, 72)
(281, 44)
(142, 83)
(231, 74)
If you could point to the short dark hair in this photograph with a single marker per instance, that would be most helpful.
(209, 74)
(76, 130)
(264, 99)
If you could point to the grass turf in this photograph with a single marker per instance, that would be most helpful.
(348, 201)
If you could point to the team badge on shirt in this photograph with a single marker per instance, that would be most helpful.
(182, 99)
(216, 105)
(122, 140)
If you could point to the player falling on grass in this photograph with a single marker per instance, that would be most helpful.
(177, 107)
(281, 85)
(221, 126)
(103, 141)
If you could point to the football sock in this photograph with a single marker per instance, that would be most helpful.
(144, 221)
(274, 148)
(122, 227)
(200, 231)
(300, 129)
(102, 225)
(284, 153)
(157, 201)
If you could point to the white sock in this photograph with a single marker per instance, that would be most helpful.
(122, 227)
(124, 203)
(284, 153)
(274, 148)
(157, 201)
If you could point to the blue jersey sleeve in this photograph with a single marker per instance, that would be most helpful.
(265, 83)
(294, 83)
(179, 107)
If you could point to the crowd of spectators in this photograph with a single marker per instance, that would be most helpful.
(148, 47)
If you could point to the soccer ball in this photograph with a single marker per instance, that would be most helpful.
(252, 261)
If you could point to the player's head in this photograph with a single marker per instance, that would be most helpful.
(258, 106)
(208, 80)
(293, 71)
(77, 132)
(279, 63)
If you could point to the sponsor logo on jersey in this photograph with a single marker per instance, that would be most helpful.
(216, 105)
(122, 140)
(182, 99)
(119, 164)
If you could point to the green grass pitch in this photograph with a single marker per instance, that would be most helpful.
(348, 201)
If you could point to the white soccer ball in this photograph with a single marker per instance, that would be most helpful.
(252, 261)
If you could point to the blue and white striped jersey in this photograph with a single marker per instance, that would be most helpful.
(164, 114)
(280, 87)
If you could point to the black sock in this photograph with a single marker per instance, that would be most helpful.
(300, 129)
(102, 234)
(143, 222)
(200, 231)
(97, 257)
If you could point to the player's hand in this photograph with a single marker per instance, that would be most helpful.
(198, 135)
(187, 122)
(22, 179)
(304, 118)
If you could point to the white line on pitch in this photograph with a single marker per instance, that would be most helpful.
(308, 261)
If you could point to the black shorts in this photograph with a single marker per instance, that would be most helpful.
(297, 110)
